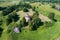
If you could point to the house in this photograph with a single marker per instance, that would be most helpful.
(27, 17)
(57, 7)
(16, 30)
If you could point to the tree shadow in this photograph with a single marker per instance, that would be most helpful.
(1, 30)
(36, 26)
(2, 8)
(54, 20)
(16, 18)
(1, 22)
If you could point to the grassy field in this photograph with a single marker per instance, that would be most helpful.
(42, 33)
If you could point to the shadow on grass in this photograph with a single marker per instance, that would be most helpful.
(36, 26)
(1, 30)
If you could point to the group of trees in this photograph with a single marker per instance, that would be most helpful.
(12, 17)
(42, 0)
(52, 16)
(2, 8)
(24, 6)
(1, 22)
(9, 9)
(35, 22)
(25, 10)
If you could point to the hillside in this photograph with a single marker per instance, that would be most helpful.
(29, 20)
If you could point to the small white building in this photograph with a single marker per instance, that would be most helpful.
(57, 7)
(16, 29)
(27, 17)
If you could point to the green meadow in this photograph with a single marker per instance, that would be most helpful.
(42, 33)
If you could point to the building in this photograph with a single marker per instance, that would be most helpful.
(57, 7)
(27, 17)
(16, 30)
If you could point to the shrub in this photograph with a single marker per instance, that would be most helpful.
(51, 16)
(48, 24)
(9, 10)
(2, 8)
(53, 6)
(25, 10)
(23, 22)
(12, 17)
(26, 5)
(8, 20)
(35, 22)
(33, 8)
(15, 17)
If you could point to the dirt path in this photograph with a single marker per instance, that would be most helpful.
(44, 18)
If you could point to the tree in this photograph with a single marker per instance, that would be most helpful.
(12, 17)
(49, 24)
(53, 6)
(35, 22)
(9, 10)
(2, 8)
(25, 10)
(51, 16)
(33, 8)
(27, 5)
(15, 17)
(8, 20)
(23, 22)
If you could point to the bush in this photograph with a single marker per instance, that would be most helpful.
(15, 17)
(48, 24)
(8, 20)
(2, 8)
(23, 22)
(53, 6)
(27, 5)
(35, 22)
(51, 16)
(9, 10)
(33, 8)
(25, 10)
(12, 17)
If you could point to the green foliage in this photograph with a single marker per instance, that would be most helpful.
(35, 22)
(9, 9)
(12, 17)
(27, 5)
(49, 24)
(1, 30)
(51, 16)
(53, 6)
(23, 22)
(35, 15)
(2, 8)
(1, 21)
(25, 10)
